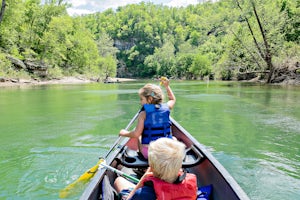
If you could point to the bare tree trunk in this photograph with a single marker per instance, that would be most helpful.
(268, 55)
(2, 10)
(251, 31)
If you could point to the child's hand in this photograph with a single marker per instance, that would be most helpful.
(164, 81)
(123, 132)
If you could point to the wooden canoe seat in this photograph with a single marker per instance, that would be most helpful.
(132, 159)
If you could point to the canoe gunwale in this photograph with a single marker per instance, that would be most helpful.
(92, 188)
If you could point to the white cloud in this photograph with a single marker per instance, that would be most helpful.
(80, 7)
(77, 3)
(115, 4)
(179, 3)
(76, 11)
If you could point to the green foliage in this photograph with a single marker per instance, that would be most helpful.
(57, 42)
(5, 65)
(10, 27)
(200, 67)
(54, 72)
(162, 61)
(147, 40)
(291, 10)
(105, 45)
(107, 66)
(8, 71)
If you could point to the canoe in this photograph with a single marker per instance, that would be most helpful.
(198, 160)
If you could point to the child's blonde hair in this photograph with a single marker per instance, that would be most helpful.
(165, 157)
(154, 91)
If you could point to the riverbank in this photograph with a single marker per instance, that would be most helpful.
(80, 80)
(64, 80)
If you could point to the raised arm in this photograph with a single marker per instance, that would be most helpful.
(171, 96)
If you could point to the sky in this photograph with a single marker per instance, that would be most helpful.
(81, 7)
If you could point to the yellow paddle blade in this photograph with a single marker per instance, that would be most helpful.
(67, 191)
(162, 79)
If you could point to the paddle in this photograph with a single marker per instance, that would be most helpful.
(103, 164)
(127, 127)
(92, 171)
(80, 181)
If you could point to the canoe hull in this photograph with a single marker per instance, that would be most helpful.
(207, 169)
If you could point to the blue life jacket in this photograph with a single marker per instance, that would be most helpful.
(157, 123)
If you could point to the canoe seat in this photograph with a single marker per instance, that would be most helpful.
(132, 159)
(192, 157)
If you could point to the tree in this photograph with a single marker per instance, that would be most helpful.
(194, 38)
(57, 41)
(292, 22)
(106, 46)
(3, 5)
(70, 46)
(200, 67)
(108, 66)
(163, 60)
(107, 53)
(265, 50)
(220, 38)
(10, 26)
(184, 59)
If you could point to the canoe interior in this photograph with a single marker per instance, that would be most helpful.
(208, 170)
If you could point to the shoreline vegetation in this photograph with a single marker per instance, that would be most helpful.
(68, 80)
(64, 80)
(246, 40)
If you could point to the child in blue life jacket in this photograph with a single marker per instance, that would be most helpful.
(164, 178)
(154, 118)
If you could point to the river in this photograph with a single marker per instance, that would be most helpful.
(51, 134)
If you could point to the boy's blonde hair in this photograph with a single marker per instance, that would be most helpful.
(165, 157)
(154, 91)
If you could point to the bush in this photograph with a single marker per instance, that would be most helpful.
(5, 65)
(54, 72)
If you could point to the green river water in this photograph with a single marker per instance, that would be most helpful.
(50, 135)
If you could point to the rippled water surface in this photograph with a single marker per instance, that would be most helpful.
(50, 135)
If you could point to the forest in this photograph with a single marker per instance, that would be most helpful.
(225, 40)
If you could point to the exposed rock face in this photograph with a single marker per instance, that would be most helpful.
(36, 67)
(122, 68)
(123, 45)
(19, 64)
(32, 66)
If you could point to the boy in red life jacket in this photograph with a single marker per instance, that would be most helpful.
(164, 179)
(153, 120)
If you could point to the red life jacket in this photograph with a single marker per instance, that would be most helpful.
(185, 190)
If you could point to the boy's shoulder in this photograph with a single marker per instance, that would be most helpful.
(144, 193)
